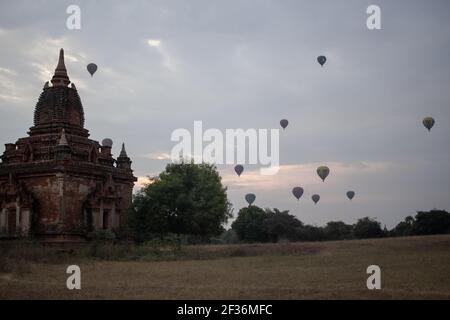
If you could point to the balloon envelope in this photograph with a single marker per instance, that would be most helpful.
(323, 172)
(428, 122)
(322, 60)
(284, 123)
(315, 198)
(250, 198)
(239, 169)
(297, 192)
(92, 68)
(351, 194)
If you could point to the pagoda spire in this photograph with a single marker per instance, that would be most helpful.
(123, 152)
(123, 162)
(60, 77)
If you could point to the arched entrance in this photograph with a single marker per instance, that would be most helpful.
(11, 221)
(106, 217)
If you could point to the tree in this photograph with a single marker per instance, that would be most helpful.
(311, 233)
(250, 224)
(432, 222)
(367, 228)
(186, 199)
(404, 228)
(281, 225)
(338, 230)
(145, 219)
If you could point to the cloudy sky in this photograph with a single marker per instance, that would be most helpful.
(248, 64)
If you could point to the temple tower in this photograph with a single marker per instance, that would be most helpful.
(57, 184)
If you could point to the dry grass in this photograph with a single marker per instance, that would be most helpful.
(412, 268)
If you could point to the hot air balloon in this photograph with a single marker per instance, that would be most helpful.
(322, 60)
(315, 198)
(428, 122)
(297, 192)
(239, 169)
(250, 198)
(284, 123)
(350, 194)
(323, 172)
(92, 68)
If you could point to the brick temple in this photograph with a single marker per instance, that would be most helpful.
(56, 184)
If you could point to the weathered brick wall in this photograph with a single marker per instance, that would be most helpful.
(46, 191)
(72, 191)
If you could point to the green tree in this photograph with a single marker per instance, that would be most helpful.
(338, 230)
(432, 222)
(250, 224)
(368, 228)
(186, 199)
(311, 233)
(281, 225)
(404, 228)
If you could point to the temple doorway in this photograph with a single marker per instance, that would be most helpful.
(11, 216)
(105, 219)
(89, 220)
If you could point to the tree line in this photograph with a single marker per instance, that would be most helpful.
(189, 200)
(254, 224)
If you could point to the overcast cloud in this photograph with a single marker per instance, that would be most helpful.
(248, 64)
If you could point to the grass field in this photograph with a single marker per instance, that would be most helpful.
(412, 268)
